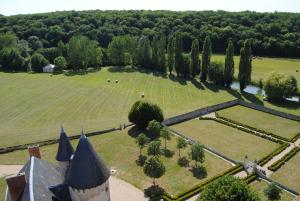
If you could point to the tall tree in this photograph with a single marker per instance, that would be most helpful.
(229, 64)
(154, 168)
(166, 135)
(11, 60)
(178, 61)
(38, 61)
(141, 141)
(8, 40)
(197, 153)
(245, 65)
(170, 52)
(116, 49)
(181, 144)
(144, 52)
(154, 148)
(206, 54)
(195, 61)
(273, 192)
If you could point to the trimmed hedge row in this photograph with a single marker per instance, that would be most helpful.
(198, 188)
(252, 128)
(250, 178)
(265, 159)
(284, 159)
(295, 138)
(269, 157)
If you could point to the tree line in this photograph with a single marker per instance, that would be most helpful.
(272, 34)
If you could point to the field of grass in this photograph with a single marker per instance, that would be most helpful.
(262, 66)
(259, 187)
(2, 188)
(123, 156)
(261, 120)
(229, 141)
(33, 106)
(289, 173)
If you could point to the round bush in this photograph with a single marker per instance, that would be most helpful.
(142, 112)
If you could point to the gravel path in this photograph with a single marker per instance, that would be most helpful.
(6, 170)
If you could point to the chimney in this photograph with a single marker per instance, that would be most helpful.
(16, 185)
(34, 150)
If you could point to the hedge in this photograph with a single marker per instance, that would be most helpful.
(198, 188)
(284, 159)
(295, 138)
(252, 128)
(269, 157)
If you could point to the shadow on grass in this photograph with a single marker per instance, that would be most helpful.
(80, 72)
(180, 80)
(153, 191)
(141, 160)
(199, 172)
(212, 87)
(134, 131)
(286, 104)
(252, 98)
(168, 153)
(183, 162)
(197, 84)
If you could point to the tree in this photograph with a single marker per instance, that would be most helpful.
(206, 54)
(178, 60)
(195, 61)
(154, 168)
(117, 49)
(60, 63)
(142, 140)
(154, 148)
(273, 192)
(38, 61)
(229, 64)
(197, 153)
(142, 112)
(158, 53)
(11, 60)
(245, 65)
(35, 43)
(8, 40)
(181, 144)
(216, 73)
(154, 128)
(278, 86)
(144, 52)
(166, 135)
(228, 188)
(170, 56)
(62, 49)
(81, 52)
(186, 66)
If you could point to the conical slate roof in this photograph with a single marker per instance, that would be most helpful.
(65, 149)
(87, 170)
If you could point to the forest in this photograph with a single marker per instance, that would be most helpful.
(272, 34)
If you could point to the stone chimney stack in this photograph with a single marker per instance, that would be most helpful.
(34, 150)
(16, 185)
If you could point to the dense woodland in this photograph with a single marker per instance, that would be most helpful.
(272, 34)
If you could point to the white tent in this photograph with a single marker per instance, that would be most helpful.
(48, 68)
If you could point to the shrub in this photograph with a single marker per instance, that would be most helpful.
(38, 61)
(284, 159)
(60, 63)
(154, 168)
(142, 112)
(279, 86)
(216, 73)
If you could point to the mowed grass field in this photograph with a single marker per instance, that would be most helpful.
(119, 151)
(280, 126)
(263, 66)
(261, 185)
(289, 173)
(229, 141)
(33, 106)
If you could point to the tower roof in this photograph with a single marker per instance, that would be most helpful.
(65, 149)
(87, 170)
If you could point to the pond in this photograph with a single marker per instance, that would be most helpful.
(257, 90)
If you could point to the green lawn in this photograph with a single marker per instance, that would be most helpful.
(227, 140)
(33, 106)
(259, 187)
(261, 120)
(2, 188)
(118, 149)
(263, 66)
(289, 173)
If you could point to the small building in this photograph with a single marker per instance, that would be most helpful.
(48, 68)
(79, 176)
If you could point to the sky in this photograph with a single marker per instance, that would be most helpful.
(14, 7)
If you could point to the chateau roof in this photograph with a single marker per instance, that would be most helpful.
(86, 170)
(65, 149)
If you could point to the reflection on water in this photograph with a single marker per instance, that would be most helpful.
(256, 90)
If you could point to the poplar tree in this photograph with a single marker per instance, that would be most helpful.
(229, 64)
(245, 65)
(170, 53)
(144, 52)
(206, 54)
(195, 61)
(178, 61)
